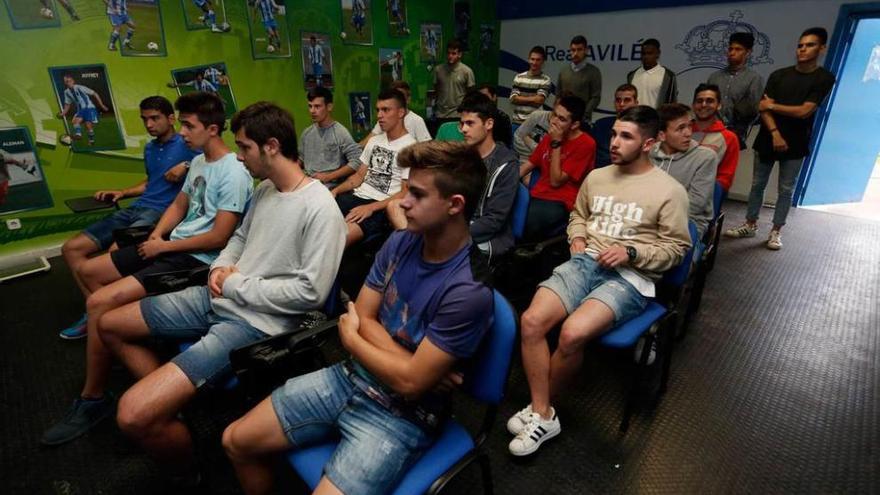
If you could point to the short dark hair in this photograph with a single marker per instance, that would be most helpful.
(645, 118)
(454, 44)
(393, 94)
(488, 87)
(400, 85)
(320, 92)
(457, 168)
(158, 103)
(207, 107)
(579, 40)
(627, 87)
(652, 42)
(671, 111)
(68, 76)
(575, 105)
(747, 40)
(478, 103)
(264, 120)
(539, 50)
(708, 87)
(818, 32)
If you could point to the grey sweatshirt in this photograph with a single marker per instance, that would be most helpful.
(490, 227)
(287, 251)
(695, 170)
(327, 149)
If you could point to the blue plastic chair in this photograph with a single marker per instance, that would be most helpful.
(657, 321)
(455, 448)
(520, 211)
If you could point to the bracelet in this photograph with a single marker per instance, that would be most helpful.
(771, 131)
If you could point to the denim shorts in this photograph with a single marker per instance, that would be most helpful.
(187, 316)
(375, 447)
(101, 232)
(581, 278)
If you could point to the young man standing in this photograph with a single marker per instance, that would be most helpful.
(452, 81)
(531, 88)
(166, 161)
(189, 235)
(710, 132)
(280, 263)
(329, 154)
(563, 158)
(580, 78)
(629, 226)
(413, 122)
(363, 197)
(626, 96)
(790, 100)
(421, 314)
(656, 84)
(692, 165)
(741, 87)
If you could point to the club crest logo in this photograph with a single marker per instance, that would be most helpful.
(706, 45)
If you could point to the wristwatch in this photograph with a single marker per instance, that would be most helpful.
(631, 253)
(555, 143)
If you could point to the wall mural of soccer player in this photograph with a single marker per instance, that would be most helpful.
(150, 41)
(267, 21)
(22, 184)
(117, 13)
(357, 22)
(317, 60)
(487, 40)
(462, 12)
(361, 119)
(211, 78)
(390, 66)
(31, 14)
(397, 18)
(205, 14)
(86, 104)
(430, 41)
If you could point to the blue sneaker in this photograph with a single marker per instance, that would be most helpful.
(82, 416)
(76, 331)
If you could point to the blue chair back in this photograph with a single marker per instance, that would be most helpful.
(678, 275)
(718, 198)
(487, 376)
(520, 211)
(534, 175)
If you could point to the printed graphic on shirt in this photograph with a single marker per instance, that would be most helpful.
(380, 172)
(614, 218)
(197, 200)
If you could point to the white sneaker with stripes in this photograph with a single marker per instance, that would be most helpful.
(536, 431)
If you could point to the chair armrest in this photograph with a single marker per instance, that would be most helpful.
(88, 203)
(130, 236)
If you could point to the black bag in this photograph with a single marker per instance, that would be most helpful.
(264, 365)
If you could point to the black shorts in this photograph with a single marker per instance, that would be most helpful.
(373, 226)
(128, 262)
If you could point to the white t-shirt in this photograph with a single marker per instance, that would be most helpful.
(383, 178)
(648, 83)
(415, 125)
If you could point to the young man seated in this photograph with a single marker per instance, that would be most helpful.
(412, 122)
(422, 312)
(629, 226)
(692, 165)
(625, 97)
(280, 263)
(166, 160)
(709, 131)
(564, 157)
(363, 197)
(200, 221)
(329, 154)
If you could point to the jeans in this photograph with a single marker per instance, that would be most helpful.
(788, 174)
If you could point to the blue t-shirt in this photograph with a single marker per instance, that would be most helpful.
(221, 185)
(158, 159)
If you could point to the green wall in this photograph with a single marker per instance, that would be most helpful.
(26, 96)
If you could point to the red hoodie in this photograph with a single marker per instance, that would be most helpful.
(725, 144)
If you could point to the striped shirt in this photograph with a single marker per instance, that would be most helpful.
(525, 84)
(79, 95)
(267, 9)
(213, 75)
(117, 7)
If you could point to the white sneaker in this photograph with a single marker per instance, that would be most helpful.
(652, 351)
(518, 421)
(536, 432)
(774, 241)
(744, 230)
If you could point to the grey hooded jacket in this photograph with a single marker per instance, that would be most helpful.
(695, 170)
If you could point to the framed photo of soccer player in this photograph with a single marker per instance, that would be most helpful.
(139, 31)
(31, 14)
(430, 41)
(360, 111)
(316, 59)
(357, 22)
(205, 14)
(267, 22)
(22, 183)
(462, 13)
(397, 25)
(390, 66)
(85, 102)
(487, 40)
(212, 78)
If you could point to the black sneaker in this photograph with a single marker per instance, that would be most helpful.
(82, 416)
